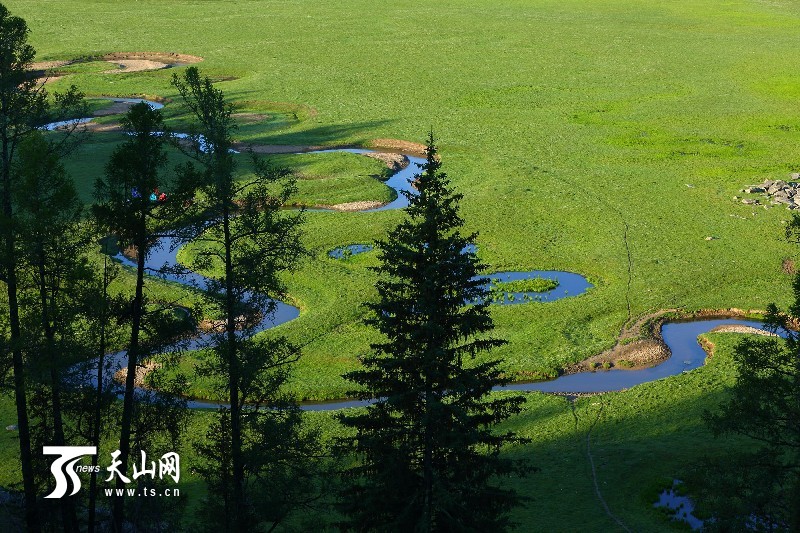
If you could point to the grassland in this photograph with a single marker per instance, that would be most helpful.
(579, 122)
(606, 138)
(639, 440)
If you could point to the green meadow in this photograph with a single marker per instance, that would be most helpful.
(639, 441)
(606, 138)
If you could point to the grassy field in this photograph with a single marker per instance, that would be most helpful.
(606, 138)
(567, 126)
(639, 441)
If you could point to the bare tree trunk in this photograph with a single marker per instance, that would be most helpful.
(97, 407)
(128, 404)
(68, 517)
(26, 459)
(233, 379)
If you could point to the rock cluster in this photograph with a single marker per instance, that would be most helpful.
(776, 191)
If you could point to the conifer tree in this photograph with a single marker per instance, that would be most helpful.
(103, 312)
(53, 268)
(130, 206)
(24, 107)
(255, 453)
(428, 456)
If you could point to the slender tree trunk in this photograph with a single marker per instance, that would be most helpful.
(233, 378)
(127, 406)
(68, 516)
(26, 458)
(97, 407)
(427, 462)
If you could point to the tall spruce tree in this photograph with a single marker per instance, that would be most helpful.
(24, 106)
(428, 456)
(255, 454)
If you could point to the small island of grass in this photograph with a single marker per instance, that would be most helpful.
(538, 285)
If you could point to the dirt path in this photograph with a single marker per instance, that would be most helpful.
(590, 458)
(398, 145)
(47, 65)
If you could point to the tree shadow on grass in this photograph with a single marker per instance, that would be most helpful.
(639, 441)
(304, 128)
(334, 135)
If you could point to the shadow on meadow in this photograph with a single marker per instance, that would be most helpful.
(640, 440)
(327, 135)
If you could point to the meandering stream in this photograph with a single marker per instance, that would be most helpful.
(680, 337)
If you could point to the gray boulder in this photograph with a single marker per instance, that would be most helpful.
(777, 186)
(782, 197)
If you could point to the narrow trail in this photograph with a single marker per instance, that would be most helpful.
(630, 267)
(576, 186)
(571, 401)
(629, 257)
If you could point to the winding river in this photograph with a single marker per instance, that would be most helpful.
(680, 337)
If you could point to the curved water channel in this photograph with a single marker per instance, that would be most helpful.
(680, 337)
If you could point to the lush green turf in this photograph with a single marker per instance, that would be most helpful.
(328, 178)
(527, 285)
(640, 440)
(581, 134)
(563, 123)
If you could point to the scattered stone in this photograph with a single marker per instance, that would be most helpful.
(12, 427)
(134, 65)
(776, 191)
(141, 373)
(736, 328)
(782, 197)
(777, 186)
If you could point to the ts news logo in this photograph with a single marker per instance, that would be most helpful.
(65, 466)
